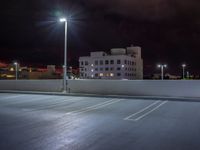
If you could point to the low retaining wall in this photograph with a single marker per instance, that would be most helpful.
(32, 85)
(176, 88)
(172, 88)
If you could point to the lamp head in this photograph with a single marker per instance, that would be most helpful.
(63, 19)
(183, 65)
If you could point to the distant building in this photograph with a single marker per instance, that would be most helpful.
(120, 64)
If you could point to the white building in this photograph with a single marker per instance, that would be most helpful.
(121, 64)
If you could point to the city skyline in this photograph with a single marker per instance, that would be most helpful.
(168, 32)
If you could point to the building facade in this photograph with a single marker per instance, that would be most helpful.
(120, 64)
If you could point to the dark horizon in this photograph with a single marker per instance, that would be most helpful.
(167, 31)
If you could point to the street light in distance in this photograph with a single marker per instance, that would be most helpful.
(162, 66)
(183, 66)
(16, 70)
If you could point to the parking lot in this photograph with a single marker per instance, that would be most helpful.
(50, 122)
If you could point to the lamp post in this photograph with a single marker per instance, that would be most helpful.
(183, 66)
(65, 57)
(16, 70)
(162, 70)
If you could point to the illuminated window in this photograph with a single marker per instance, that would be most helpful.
(112, 75)
(11, 69)
(101, 74)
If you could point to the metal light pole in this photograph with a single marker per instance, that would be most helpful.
(15, 63)
(162, 70)
(65, 57)
(183, 65)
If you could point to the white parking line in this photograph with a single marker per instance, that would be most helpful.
(94, 107)
(147, 113)
(128, 118)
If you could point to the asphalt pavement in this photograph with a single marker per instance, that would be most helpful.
(56, 122)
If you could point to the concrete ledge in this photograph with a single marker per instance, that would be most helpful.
(121, 88)
(32, 85)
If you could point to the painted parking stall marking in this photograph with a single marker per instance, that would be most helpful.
(145, 111)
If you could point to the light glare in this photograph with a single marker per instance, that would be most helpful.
(63, 19)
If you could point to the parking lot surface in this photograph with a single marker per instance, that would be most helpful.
(50, 122)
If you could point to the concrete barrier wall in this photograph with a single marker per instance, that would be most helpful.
(176, 88)
(32, 85)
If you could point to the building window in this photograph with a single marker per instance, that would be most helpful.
(96, 62)
(111, 62)
(96, 74)
(101, 62)
(85, 69)
(118, 68)
(82, 63)
(101, 74)
(86, 63)
(107, 69)
(118, 74)
(125, 61)
(111, 69)
(96, 69)
(118, 61)
(106, 62)
(101, 69)
(112, 74)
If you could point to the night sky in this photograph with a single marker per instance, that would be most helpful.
(167, 30)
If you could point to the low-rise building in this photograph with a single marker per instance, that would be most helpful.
(120, 64)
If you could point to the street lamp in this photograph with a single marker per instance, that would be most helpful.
(16, 64)
(162, 69)
(183, 66)
(65, 57)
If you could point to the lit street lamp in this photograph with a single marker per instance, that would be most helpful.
(16, 70)
(162, 69)
(183, 66)
(65, 57)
